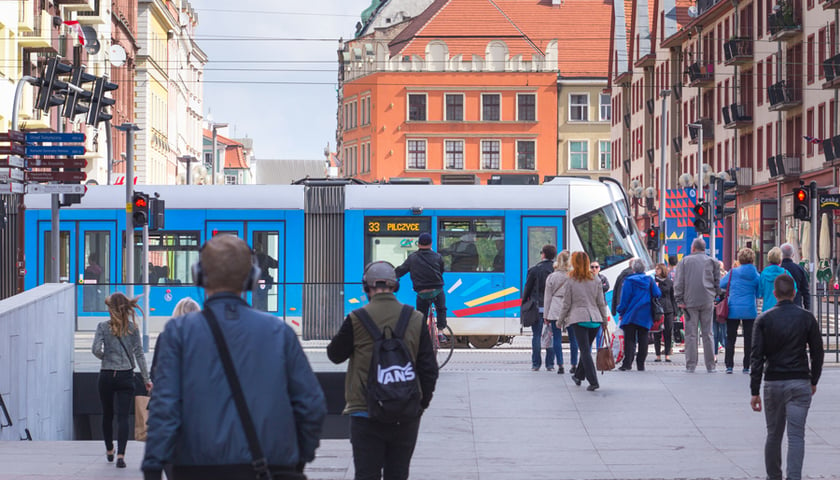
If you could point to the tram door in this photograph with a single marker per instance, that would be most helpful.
(67, 270)
(96, 264)
(536, 232)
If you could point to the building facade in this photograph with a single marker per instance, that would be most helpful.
(470, 89)
(755, 81)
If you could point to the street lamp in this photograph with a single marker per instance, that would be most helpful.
(188, 159)
(699, 127)
(214, 127)
(662, 136)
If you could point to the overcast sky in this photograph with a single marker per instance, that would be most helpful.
(291, 46)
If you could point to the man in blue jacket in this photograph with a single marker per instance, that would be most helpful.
(193, 421)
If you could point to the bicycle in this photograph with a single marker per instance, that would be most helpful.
(443, 342)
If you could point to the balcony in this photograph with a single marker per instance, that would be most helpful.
(831, 4)
(738, 51)
(831, 67)
(737, 116)
(708, 131)
(784, 96)
(783, 167)
(94, 17)
(40, 37)
(701, 75)
(743, 178)
(76, 5)
(784, 23)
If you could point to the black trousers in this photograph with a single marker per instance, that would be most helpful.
(423, 305)
(634, 334)
(586, 366)
(732, 336)
(382, 450)
(667, 332)
(119, 385)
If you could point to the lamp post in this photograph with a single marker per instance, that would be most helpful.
(662, 167)
(699, 127)
(214, 127)
(188, 159)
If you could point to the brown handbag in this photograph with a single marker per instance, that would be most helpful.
(604, 360)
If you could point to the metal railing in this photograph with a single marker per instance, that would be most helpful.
(828, 313)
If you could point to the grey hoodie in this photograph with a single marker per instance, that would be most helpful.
(107, 348)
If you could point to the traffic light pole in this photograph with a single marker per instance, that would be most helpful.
(712, 232)
(129, 129)
(813, 260)
(662, 124)
(146, 287)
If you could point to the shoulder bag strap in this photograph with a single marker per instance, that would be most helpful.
(368, 323)
(130, 358)
(402, 324)
(259, 462)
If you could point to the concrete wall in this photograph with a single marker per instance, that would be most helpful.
(36, 362)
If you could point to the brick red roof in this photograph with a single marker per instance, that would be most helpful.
(526, 26)
(234, 151)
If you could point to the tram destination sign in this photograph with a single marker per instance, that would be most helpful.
(55, 176)
(54, 150)
(60, 137)
(57, 163)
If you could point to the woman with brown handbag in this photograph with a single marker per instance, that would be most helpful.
(585, 311)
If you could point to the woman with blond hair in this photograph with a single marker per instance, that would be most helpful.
(585, 310)
(117, 344)
(553, 299)
(742, 283)
(768, 276)
(183, 307)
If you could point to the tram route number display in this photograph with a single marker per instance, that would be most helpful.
(393, 226)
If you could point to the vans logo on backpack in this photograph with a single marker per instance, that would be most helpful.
(392, 389)
(394, 374)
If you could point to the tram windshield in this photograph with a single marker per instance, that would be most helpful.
(602, 238)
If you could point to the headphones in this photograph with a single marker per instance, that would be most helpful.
(250, 280)
(380, 272)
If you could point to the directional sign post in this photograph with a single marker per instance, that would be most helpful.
(11, 175)
(57, 163)
(11, 188)
(62, 137)
(54, 150)
(54, 176)
(12, 161)
(37, 188)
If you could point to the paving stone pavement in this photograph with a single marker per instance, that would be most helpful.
(492, 418)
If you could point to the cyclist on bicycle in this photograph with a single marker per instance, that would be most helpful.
(426, 268)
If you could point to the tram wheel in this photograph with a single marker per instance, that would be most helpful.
(484, 341)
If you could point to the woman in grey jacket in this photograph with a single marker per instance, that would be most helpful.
(585, 310)
(553, 299)
(117, 344)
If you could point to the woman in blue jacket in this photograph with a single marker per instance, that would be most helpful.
(768, 276)
(743, 290)
(636, 317)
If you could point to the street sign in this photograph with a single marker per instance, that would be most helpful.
(16, 149)
(66, 137)
(54, 150)
(13, 136)
(57, 163)
(11, 188)
(829, 201)
(54, 176)
(12, 161)
(36, 188)
(11, 175)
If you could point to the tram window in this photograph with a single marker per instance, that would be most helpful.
(472, 245)
(267, 250)
(601, 239)
(97, 273)
(538, 237)
(63, 257)
(171, 255)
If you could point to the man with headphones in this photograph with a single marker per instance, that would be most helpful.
(195, 420)
(381, 448)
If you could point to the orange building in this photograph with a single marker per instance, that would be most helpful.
(477, 88)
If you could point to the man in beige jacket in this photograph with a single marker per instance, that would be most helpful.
(696, 286)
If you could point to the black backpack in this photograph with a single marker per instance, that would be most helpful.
(393, 389)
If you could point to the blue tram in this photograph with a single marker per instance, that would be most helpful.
(313, 240)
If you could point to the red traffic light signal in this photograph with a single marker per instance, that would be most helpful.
(801, 195)
(140, 202)
(801, 204)
(702, 220)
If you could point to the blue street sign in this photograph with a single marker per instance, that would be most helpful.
(69, 137)
(55, 150)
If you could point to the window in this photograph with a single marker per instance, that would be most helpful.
(454, 153)
(526, 158)
(454, 107)
(579, 155)
(417, 107)
(579, 107)
(416, 154)
(526, 107)
(267, 250)
(230, 180)
(602, 238)
(491, 154)
(605, 112)
(604, 155)
(472, 244)
(97, 274)
(63, 256)
(171, 255)
(491, 107)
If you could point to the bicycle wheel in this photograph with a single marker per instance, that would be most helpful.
(445, 346)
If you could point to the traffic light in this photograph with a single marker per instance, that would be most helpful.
(99, 101)
(52, 89)
(802, 204)
(721, 198)
(71, 104)
(140, 209)
(157, 210)
(702, 222)
(653, 238)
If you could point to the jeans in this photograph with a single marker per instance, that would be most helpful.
(536, 347)
(720, 335)
(382, 450)
(586, 367)
(702, 317)
(667, 332)
(634, 334)
(557, 342)
(786, 404)
(119, 384)
(423, 305)
(732, 336)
